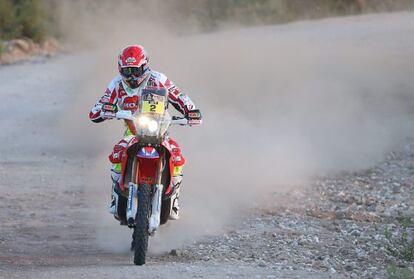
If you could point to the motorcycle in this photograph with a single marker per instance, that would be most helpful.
(146, 189)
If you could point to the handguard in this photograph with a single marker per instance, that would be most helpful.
(124, 114)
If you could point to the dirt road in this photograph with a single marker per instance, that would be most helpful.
(54, 179)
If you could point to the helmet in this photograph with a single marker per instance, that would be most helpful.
(133, 65)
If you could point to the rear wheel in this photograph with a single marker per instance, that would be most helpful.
(141, 224)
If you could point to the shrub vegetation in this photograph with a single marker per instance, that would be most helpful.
(22, 18)
(210, 13)
(37, 19)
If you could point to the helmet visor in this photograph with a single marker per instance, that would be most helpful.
(133, 72)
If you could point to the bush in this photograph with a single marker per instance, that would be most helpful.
(22, 18)
(36, 19)
(31, 18)
(9, 27)
(208, 14)
(394, 272)
(401, 246)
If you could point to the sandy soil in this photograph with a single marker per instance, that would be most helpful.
(53, 217)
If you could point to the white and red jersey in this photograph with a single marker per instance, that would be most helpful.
(125, 98)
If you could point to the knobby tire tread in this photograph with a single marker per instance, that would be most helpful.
(141, 227)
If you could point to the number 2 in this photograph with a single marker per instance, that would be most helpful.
(153, 108)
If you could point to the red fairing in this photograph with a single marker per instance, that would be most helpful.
(147, 168)
(119, 155)
(176, 159)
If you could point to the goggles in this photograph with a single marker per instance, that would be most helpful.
(131, 72)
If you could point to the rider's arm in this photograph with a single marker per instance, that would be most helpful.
(183, 103)
(105, 107)
(179, 100)
(102, 109)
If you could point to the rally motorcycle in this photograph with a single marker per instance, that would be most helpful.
(146, 189)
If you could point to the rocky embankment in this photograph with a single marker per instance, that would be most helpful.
(23, 49)
(354, 225)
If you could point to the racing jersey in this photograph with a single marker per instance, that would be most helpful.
(119, 94)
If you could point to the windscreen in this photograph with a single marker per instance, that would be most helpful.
(152, 114)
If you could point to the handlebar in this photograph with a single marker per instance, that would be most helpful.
(127, 115)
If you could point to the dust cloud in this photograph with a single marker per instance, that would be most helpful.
(281, 104)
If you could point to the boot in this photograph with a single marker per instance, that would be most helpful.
(113, 206)
(175, 198)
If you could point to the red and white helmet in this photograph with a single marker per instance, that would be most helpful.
(133, 65)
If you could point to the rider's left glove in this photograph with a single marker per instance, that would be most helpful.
(194, 117)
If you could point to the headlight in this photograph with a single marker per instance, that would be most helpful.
(146, 122)
(143, 120)
(152, 126)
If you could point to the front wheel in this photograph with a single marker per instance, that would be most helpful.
(141, 224)
(165, 211)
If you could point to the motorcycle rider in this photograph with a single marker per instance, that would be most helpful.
(123, 93)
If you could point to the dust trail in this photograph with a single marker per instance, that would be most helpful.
(281, 104)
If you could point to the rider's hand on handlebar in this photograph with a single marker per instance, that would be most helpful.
(108, 111)
(194, 117)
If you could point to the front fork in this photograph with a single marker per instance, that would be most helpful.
(155, 217)
(132, 207)
(150, 156)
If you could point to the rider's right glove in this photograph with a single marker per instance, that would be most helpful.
(108, 111)
(194, 117)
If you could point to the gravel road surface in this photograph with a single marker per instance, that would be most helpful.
(333, 228)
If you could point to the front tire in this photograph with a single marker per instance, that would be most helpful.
(165, 211)
(141, 224)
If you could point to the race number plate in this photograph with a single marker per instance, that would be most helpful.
(154, 100)
(153, 103)
(153, 106)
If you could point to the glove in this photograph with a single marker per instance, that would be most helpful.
(194, 117)
(108, 111)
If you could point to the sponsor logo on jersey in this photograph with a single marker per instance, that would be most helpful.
(130, 105)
